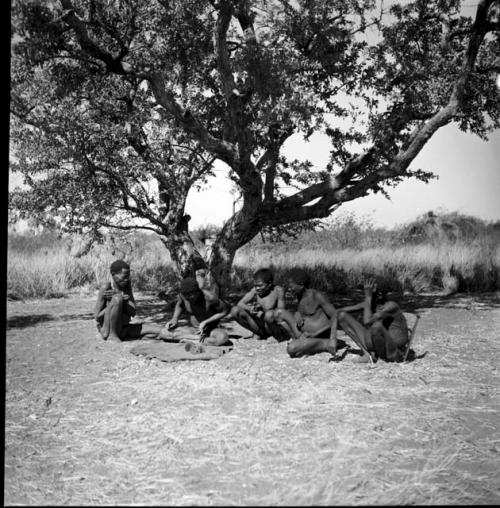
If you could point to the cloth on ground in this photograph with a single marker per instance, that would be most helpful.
(174, 352)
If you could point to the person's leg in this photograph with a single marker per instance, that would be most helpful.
(112, 324)
(386, 346)
(357, 332)
(285, 319)
(308, 346)
(217, 337)
(141, 330)
(185, 332)
(245, 319)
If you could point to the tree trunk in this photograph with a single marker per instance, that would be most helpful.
(220, 264)
(180, 246)
(237, 231)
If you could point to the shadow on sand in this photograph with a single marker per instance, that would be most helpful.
(413, 303)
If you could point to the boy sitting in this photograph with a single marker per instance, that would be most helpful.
(384, 332)
(115, 307)
(314, 325)
(205, 310)
(256, 311)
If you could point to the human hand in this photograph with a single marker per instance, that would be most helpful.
(201, 328)
(108, 294)
(370, 286)
(171, 324)
(253, 307)
(299, 319)
(126, 298)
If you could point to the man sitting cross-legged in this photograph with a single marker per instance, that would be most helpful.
(314, 325)
(115, 307)
(205, 310)
(384, 332)
(256, 309)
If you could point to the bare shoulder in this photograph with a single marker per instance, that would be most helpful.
(319, 296)
(391, 306)
(211, 296)
(250, 294)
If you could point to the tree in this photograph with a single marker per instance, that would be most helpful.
(121, 106)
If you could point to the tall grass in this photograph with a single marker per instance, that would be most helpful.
(53, 271)
(338, 259)
(471, 267)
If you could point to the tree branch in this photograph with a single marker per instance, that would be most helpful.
(268, 161)
(222, 149)
(221, 51)
(422, 133)
(113, 64)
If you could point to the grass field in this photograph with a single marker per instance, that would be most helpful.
(88, 423)
(338, 259)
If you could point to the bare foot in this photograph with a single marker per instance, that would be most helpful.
(113, 338)
(365, 358)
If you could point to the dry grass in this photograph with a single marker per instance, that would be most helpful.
(416, 268)
(87, 423)
(54, 271)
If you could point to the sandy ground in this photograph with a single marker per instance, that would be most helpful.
(86, 422)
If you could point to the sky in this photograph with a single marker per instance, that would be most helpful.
(467, 167)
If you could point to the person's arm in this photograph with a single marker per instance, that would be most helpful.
(388, 309)
(352, 308)
(370, 287)
(221, 310)
(331, 312)
(299, 319)
(246, 299)
(129, 303)
(177, 312)
(280, 297)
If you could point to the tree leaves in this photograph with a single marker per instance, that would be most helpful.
(114, 101)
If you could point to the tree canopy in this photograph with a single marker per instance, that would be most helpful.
(119, 107)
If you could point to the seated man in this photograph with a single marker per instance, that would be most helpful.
(205, 279)
(205, 311)
(314, 325)
(115, 307)
(256, 309)
(384, 332)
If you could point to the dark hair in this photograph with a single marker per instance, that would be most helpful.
(189, 286)
(300, 276)
(264, 274)
(118, 265)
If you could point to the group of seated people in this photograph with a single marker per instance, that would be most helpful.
(381, 332)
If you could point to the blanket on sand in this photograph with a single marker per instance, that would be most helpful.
(175, 352)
